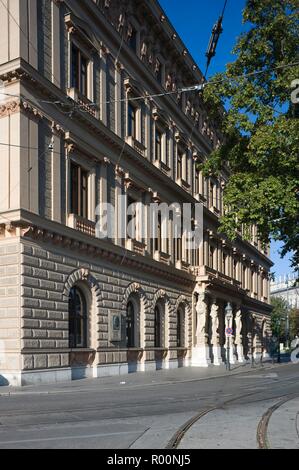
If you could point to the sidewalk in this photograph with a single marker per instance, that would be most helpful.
(140, 379)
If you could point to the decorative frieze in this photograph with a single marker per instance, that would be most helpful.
(15, 106)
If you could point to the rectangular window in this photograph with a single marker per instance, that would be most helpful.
(211, 194)
(197, 186)
(244, 277)
(235, 274)
(211, 257)
(83, 76)
(158, 240)
(79, 191)
(133, 40)
(158, 145)
(132, 127)
(252, 286)
(75, 68)
(179, 165)
(79, 71)
(224, 262)
(159, 71)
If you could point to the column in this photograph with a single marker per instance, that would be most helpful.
(33, 166)
(265, 339)
(148, 142)
(56, 41)
(56, 175)
(257, 337)
(229, 341)
(32, 33)
(206, 249)
(201, 352)
(214, 314)
(238, 335)
(103, 74)
(118, 103)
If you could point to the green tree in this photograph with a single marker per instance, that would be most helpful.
(260, 128)
(278, 316)
(294, 322)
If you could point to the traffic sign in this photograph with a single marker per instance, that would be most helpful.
(229, 331)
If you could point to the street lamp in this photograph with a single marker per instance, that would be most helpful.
(228, 331)
(287, 325)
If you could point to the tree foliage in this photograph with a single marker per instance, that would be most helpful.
(278, 316)
(260, 129)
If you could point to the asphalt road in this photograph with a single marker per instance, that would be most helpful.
(147, 411)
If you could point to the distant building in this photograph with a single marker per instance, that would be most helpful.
(286, 287)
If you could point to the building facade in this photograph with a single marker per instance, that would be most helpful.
(79, 127)
(287, 288)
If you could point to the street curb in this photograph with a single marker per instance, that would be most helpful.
(266, 365)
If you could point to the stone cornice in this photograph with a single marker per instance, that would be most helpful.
(30, 226)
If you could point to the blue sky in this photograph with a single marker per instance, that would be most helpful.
(193, 20)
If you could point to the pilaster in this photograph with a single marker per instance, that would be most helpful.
(214, 315)
(201, 352)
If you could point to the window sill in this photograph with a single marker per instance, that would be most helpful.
(84, 102)
(136, 145)
(162, 257)
(184, 184)
(82, 225)
(214, 210)
(135, 246)
(200, 198)
(82, 349)
(182, 265)
(163, 167)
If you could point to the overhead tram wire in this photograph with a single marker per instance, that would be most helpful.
(181, 90)
(216, 33)
(198, 87)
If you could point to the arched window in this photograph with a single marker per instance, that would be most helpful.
(77, 319)
(158, 327)
(180, 328)
(130, 325)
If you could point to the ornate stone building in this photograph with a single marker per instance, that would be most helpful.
(286, 287)
(74, 133)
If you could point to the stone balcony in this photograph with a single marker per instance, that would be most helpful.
(84, 103)
(215, 210)
(136, 145)
(206, 271)
(135, 246)
(82, 225)
(162, 257)
(183, 265)
(184, 184)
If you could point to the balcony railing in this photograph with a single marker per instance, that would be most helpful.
(82, 225)
(215, 210)
(162, 257)
(184, 184)
(183, 265)
(207, 271)
(136, 145)
(135, 246)
(85, 104)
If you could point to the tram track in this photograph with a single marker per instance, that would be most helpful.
(262, 428)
